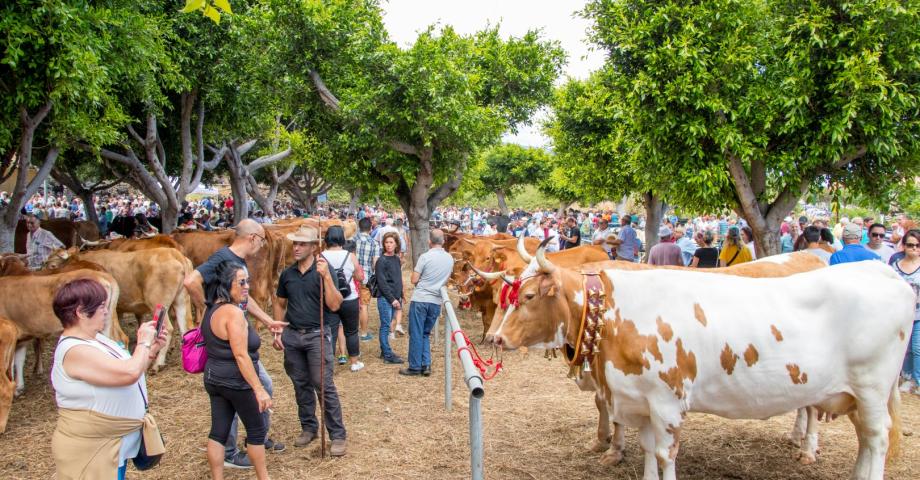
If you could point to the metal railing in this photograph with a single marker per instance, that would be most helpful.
(472, 377)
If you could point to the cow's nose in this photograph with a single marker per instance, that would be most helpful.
(497, 340)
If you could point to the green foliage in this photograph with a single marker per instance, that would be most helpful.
(812, 91)
(508, 168)
(209, 8)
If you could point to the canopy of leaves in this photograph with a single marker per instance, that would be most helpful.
(509, 167)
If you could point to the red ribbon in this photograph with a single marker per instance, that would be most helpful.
(509, 294)
(481, 364)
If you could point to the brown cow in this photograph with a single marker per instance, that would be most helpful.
(146, 278)
(8, 334)
(135, 244)
(26, 300)
(65, 231)
(87, 230)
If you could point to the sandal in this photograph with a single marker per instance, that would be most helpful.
(343, 359)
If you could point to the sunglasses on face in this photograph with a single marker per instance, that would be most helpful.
(911, 245)
(877, 235)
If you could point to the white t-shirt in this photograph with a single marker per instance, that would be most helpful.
(76, 394)
(884, 251)
(335, 259)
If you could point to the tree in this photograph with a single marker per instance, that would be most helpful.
(85, 177)
(750, 103)
(61, 68)
(505, 169)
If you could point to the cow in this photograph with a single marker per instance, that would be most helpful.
(662, 343)
(146, 279)
(8, 334)
(87, 230)
(26, 300)
(134, 244)
(62, 228)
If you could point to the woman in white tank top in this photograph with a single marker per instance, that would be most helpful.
(337, 257)
(91, 372)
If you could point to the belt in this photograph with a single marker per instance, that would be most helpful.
(303, 330)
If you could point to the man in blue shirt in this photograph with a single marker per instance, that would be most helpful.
(628, 242)
(852, 250)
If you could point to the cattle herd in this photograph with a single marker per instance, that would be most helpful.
(784, 333)
(139, 274)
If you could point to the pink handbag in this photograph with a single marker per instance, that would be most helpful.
(194, 355)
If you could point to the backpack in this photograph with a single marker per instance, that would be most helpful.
(194, 355)
(341, 281)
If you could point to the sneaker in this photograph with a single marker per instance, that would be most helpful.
(339, 447)
(305, 438)
(908, 386)
(357, 366)
(343, 359)
(399, 331)
(393, 359)
(240, 460)
(366, 338)
(410, 372)
(426, 371)
(273, 446)
(392, 336)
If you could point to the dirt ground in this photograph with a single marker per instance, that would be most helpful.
(537, 426)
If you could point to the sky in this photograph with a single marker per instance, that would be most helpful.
(405, 18)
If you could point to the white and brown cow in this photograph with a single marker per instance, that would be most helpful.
(673, 342)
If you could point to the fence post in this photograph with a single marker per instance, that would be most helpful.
(448, 350)
(473, 381)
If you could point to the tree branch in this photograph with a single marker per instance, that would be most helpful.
(267, 160)
(850, 157)
(43, 171)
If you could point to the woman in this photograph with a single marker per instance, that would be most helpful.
(230, 377)
(747, 235)
(340, 259)
(100, 388)
(706, 256)
(734, 252)
(908, 268)
(389, 279)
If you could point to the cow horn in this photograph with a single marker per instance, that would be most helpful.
(497, 247)
(149, 235)
(467, 240)
(523, 251)
(545, 265)
(91, 243)
(488, 275)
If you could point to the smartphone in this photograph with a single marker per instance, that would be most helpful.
(159, 318)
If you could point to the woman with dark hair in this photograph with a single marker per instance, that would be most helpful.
(706, 256)
(734, 252)
(908, 267)
(99, 387)
(389, 278)
(342, 260)
(747, 236)
(230, 377)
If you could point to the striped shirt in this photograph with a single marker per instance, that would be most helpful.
(366, 249)
(39, 246)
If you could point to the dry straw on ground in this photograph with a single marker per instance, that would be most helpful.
(537, 426)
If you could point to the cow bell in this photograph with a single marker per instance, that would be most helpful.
(587, 366)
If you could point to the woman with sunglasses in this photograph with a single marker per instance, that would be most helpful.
(230, 377)
(908, 268)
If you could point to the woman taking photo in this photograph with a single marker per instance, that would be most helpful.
(230, 376)
(734, 252)
(389, 280)
(340, 259)
(99, 387)
(908, 267)
(706, 256)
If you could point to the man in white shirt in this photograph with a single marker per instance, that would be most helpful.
(545, 231)
(876, 242)
(600, 235)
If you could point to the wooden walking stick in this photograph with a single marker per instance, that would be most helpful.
(322, 355)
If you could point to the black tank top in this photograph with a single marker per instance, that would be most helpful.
(221, 369)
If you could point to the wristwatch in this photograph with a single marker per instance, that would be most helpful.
(147, 344)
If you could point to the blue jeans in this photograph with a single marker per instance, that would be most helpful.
(386, 316)
(230, 448)
(912, 358)
(121, 470)
(422, 317)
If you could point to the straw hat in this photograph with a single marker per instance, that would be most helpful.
(304, 234)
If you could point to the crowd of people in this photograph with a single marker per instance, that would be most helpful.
(96, 380)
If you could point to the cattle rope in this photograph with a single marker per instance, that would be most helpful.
(480, 363)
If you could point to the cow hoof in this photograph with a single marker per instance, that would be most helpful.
(598, 446)
(611, 458)
(18, 392)
(794, 438)
(806, 458)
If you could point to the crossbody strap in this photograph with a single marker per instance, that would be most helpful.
(114, 354)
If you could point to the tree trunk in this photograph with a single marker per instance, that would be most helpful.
(169, 217)
(653, 213)
(89, 206)
(563, 205)
(353, 203)
(766, 239)
(502, 205)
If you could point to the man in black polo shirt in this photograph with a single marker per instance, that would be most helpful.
(298, 304)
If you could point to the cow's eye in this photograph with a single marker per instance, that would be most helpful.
(530, 295)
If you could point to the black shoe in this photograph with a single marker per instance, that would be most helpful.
(393, 359)
(410, 372)
(273, 446)
(426, 371)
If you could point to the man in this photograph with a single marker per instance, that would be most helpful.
(627, 243)
(305, 345)
(571, 235)
(545, 231)
(600, 235)
(202, 284)
(431, 273)
(665, 252)
(853, 251)
(685, 243)
(812, 235)
(39, 243)
(367, 250)
(876, 243)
